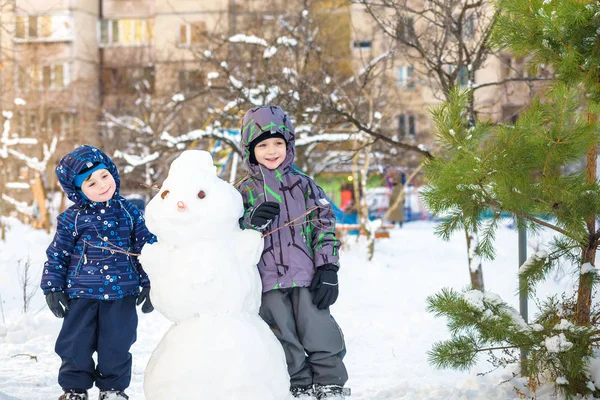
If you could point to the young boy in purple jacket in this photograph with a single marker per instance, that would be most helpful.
(299, 264)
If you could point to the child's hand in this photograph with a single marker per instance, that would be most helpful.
(325, 286)
(58, 303)
(263, 215)
(144, 297)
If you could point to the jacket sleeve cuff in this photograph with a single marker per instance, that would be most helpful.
(52, 289)
(329, 266)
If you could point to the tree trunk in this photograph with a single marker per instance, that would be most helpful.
(584, 291)
(476, 273)
(2, 207)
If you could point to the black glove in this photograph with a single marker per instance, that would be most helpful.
(325, 286)
(144, 297)
(263, 215)
(58, 303)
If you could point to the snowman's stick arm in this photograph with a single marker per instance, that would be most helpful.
(112, 247)
(294, 221)
(154, 186)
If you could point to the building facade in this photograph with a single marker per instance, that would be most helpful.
(64, 61)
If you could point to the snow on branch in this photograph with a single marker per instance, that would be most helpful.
(17, 185)
(136, 161)
(241, 38)
(286, 41)
(7, 141)
(327, 137)
(366, 70)
(21, 206)
(196, 134)
(34, 162)
(128, 122)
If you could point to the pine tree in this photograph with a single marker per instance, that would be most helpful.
(529, 171)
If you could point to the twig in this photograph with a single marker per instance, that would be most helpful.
(117, 250)
(38, 311)
(26, 355)
(154, 186)
(2, 310)
(310, 210)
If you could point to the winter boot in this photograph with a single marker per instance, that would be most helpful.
(305, 392)
(112, 395)
(74, 395)
(331, 392)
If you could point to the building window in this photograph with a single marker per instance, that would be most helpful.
(41, 77)
(191, 80)
(128, 80)
(43, 28)
(405, 30)
(192, 33)
(462, 77)
(468, 28)
(407, 125)
(61, 123)
(405, 77)
(361, 44)
(126, 32)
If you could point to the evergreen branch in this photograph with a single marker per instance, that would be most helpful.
(551, 204)
(495, 205)
(486, 245)
(479, 350)
(459, 353)
(535, 269)
(542, 223)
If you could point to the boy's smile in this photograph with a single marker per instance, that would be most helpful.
(270, 152)
(100, 186)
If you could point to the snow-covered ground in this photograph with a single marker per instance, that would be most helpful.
(381, 310)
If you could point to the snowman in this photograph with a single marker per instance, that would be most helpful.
(204, 279)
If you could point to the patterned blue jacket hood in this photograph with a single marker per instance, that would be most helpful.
(71, 164)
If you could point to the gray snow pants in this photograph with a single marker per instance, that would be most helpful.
(312, 341)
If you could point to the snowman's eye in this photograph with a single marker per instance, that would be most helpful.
(164, 194)
(201, 194)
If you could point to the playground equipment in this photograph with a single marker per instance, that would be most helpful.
(222, 155)
(39, 197)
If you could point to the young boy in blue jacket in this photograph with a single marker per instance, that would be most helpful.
(92, 277)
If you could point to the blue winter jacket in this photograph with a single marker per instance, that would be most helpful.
(87, 257)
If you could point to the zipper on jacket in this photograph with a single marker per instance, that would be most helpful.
(134, 268)
(82, 260)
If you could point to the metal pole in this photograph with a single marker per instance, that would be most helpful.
(523, 295)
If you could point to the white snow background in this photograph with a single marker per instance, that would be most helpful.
(381, 310)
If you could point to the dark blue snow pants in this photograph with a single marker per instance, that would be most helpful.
(107, 327)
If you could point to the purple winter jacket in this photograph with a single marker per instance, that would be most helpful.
(292, 253)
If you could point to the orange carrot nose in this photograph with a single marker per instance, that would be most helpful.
(181, 205)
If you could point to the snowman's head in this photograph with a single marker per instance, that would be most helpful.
(193, 201)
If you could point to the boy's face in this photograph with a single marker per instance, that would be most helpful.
(100, 186)
(270, 152)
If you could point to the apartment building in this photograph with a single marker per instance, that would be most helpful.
(65, 60)
(416, 87)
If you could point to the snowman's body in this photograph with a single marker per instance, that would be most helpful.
(204, 278)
